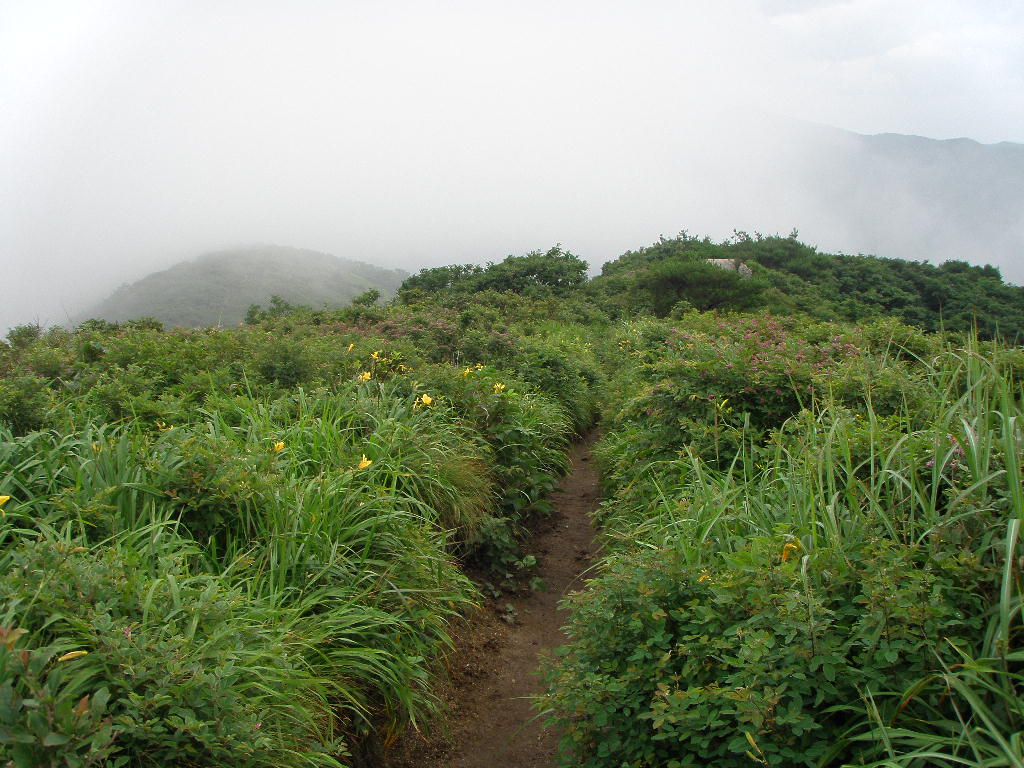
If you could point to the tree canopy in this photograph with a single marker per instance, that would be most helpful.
(537, 274)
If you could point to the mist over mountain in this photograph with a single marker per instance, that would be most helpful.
(916, 198)
(218, 288)
(890, 195)
(135, 134)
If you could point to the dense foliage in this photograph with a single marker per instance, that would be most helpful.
(553, 273)
(244, 546)
(811, 529)
(792, 278)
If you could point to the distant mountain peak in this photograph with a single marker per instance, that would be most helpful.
(217, 288)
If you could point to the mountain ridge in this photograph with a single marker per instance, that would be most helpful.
(217, 288)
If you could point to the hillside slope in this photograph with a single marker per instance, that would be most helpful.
(218, 288)
(916, 198)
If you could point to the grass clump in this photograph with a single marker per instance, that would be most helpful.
(121, 655)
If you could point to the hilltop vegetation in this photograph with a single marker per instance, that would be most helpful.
(672, 274)
(243, 546)
(792, 278)
(218, 288)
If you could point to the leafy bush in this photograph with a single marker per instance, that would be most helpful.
(23, 403)
(706, 381)
(284, 362)
(670, 665)
(526, 437)
(786, 583)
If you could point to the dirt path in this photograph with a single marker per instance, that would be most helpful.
(490, 723)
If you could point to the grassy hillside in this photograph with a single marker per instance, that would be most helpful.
(218, 288)
(244, 546)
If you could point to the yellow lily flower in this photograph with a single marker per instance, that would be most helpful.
(278, 446)
(426, 399)
(499, 388)
(364, 462)
(789, 549)
(365, 376)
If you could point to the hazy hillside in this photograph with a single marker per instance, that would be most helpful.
(217, 288)
(916, 198)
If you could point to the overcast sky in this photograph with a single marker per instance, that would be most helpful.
(134, 134)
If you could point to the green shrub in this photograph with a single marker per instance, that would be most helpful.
(669, 665)
(563, 368)
(22, 336)
(525, 437)
(790, 580)
(284, 363)
(23, 403)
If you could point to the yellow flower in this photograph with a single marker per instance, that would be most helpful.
(466, 372)
(278, 446)
(499, 388)
(789, 549)
(73, 655)
(364, 462)
(376, 355)
(705, 575)
(4, 500)
(163, 427)
(426, 399)
(365, 376)
(350, 346)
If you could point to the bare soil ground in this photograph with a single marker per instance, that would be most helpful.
(493, 678)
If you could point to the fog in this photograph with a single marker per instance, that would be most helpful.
(136, 134)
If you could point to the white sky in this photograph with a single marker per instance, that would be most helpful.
(134, 133)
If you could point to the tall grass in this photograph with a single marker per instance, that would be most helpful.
(328, 523)
(899, 517)
(982, 723)
(834, 474)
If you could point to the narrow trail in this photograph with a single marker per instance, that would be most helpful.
(493, 670)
